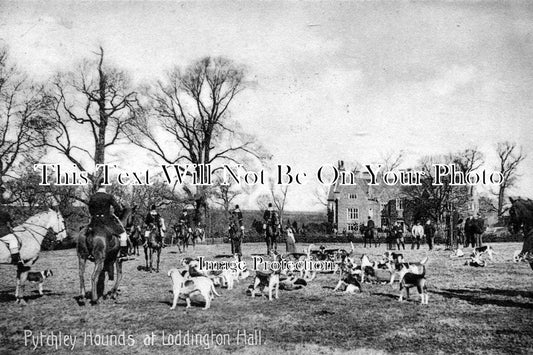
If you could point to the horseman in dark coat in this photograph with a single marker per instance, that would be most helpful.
(271, 217)
(153, 220)
(7, 236)
(100, 210)
(236, 231)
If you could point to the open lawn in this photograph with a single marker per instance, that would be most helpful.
(471, 310)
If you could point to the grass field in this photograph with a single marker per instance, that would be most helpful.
(471, 310)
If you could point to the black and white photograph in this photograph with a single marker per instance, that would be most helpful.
(266, 177)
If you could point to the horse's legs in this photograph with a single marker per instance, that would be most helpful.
(98, 266)
(158, 258)
(146, 251)
(114, 290)
(82, 261)
(151, 256)
(269, 243)
(22, 275)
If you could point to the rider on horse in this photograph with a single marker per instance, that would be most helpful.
(153, 220)
(100, 210)
(236, 222)
(271, 218)
(7, 236)
(185, 221)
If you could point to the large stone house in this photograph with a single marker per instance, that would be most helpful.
(351, 205)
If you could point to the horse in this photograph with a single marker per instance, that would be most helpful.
(197, 235)
(152, 245)
(182, 236)
(269, 232)
(134, 232)
(135, 239)
(235, 236)
(369, 235)
(104, 248)
(30, 235)
(521, 218)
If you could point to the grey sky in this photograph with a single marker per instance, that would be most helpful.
(329, 80)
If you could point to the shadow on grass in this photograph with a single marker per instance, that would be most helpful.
(388, 295)
(485, 296)
(9, 295)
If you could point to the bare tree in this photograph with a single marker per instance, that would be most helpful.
(321, 193)
(510, 157)
(21, 107)
(391, 160)
(96, 103)
(186, 119)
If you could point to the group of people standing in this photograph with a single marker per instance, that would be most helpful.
(270, 219)
(396, 235)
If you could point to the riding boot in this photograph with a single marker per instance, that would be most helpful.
(15, 259)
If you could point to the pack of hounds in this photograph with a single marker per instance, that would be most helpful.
(189, 282)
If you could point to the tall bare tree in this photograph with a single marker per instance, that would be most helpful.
(510, 157)
(186, 119)
(94, 103)
(21, 108)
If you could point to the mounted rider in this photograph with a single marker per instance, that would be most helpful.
(100, 210)
(271, 218)
(185, 221)
(7, 236)
(236, 223)
(153, 220)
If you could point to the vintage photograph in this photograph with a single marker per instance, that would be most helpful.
(259, 177)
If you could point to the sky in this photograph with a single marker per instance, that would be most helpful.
(327, 81)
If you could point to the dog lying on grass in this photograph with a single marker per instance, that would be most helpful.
(183, 287)
(350, 282)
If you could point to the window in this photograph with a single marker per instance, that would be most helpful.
(352, 196)
(399, 204)
(353, 214)
(352, 227)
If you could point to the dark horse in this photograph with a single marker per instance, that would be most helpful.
(153, 246)
(104, 248)
(183, 236)
(369, 234)
(521, 218)
(236, 237)
(133, 228)
(269, 232)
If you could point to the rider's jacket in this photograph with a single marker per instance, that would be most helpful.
(270, 217)
(236, 217)
(184, 220)
(5, 222)
(100, 205)
(153, 219)
(370, 224)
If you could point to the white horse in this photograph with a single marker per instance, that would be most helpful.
(30, 235)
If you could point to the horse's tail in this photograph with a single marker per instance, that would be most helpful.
(109, 268)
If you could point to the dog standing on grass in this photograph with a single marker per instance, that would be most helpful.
(270, 280)
(38, 277)
(419, 281)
